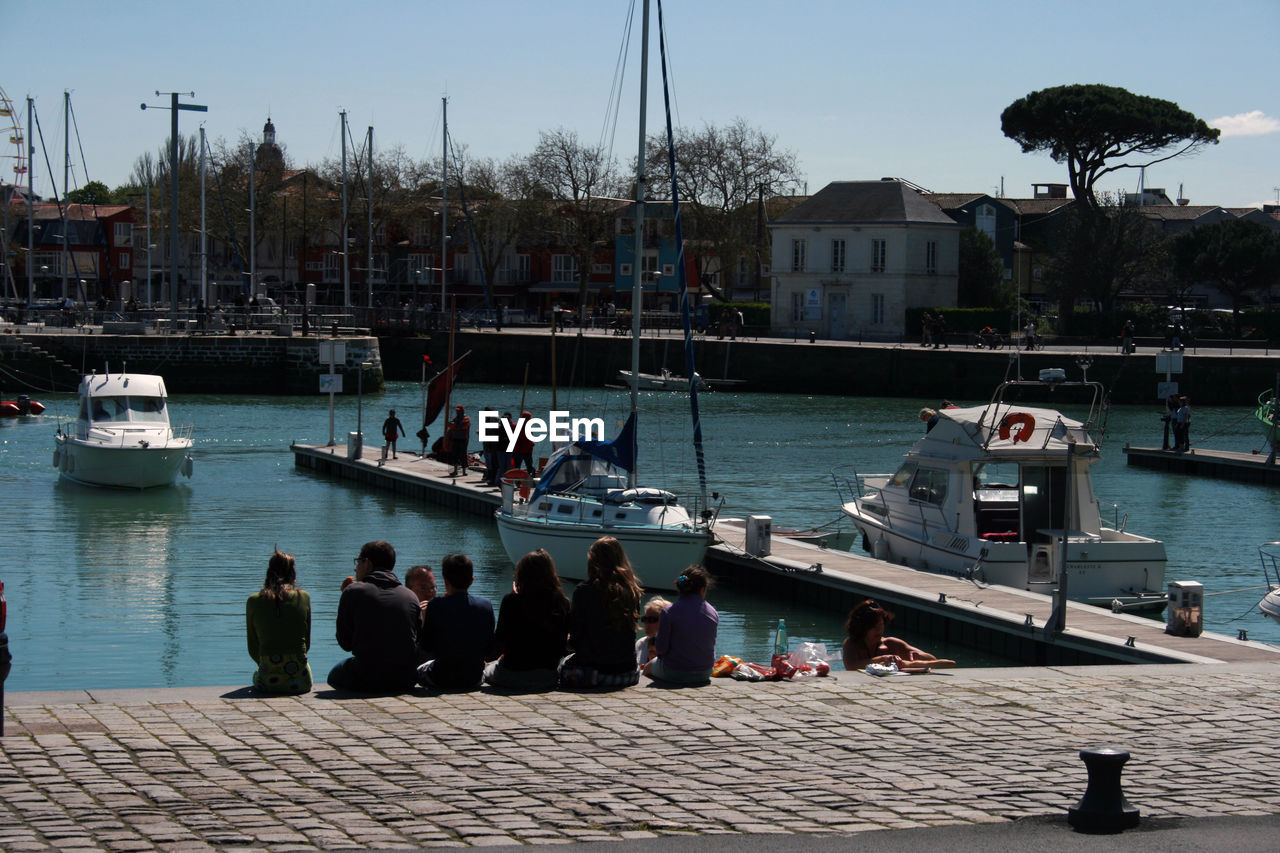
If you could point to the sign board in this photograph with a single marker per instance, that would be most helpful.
(1169, 361)
(330, 383)
(1165, 390)
(333, 352)
(813, 298)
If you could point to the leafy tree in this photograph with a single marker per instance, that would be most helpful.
(1096, 130)
(94, 192)
(725, 174)
(981, 273)
(1235, 255)
(585, 183)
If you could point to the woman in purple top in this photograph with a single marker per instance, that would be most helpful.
(686, 643)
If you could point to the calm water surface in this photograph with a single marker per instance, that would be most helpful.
(116, 589)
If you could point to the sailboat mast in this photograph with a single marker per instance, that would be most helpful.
(444, 201)
(637, 285)
(368, 188)
(342, 239)
(31, 200)
(66, 169)
(204, 231)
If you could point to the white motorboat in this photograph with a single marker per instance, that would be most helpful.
(664, 381)
(1270, 556)
(1003, 494)
(589, 488)
(122, 436)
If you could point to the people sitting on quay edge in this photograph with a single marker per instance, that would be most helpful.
(686, 641)
(378, 619)
(602, 621)
(645, 645)
(422, 582)
(457, 631)
(533, 627)
(278, 623)
(866, 642)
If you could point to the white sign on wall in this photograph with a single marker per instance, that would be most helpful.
(330, 383)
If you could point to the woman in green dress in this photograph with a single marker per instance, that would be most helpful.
(279, 630)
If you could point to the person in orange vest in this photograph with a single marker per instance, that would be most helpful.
(523, 453)
(459, 432)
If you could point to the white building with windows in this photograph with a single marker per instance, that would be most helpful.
(850, 261)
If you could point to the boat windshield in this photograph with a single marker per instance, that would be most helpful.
(904, 474)
(115, 409)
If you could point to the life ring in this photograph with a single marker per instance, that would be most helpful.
(518, 476)
(1024, 421)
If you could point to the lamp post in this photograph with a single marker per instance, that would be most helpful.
(174, 107)
(364, 365)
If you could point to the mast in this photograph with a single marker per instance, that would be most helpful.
(66, 169)
(342, 240)
(444, 196)
(368, 273)
(253, 225)
(31, 204)
(637, 291)
(204, 234)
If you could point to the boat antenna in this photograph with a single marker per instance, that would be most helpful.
(637, 287)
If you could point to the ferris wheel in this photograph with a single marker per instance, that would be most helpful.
(13, 143)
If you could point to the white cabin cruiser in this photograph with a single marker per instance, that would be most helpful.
(1003, 494)
(663, 381)
(122, 436)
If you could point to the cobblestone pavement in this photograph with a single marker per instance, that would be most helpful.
(211, 768)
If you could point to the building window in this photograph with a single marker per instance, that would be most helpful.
(379, 272)
(797, 307)
(877, 309)
(931, 257)
(333, 266)
(877, 256)
(986, 220)
(124, 233)
(797, 255)
(564, 269)
(837, 255)
(424, 233)
(126, 260)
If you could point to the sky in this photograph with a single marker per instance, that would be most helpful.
(856, 90)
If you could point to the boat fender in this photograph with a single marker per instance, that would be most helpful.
(187, 466)
(1026, 425)
(881, 549)
(57, 456)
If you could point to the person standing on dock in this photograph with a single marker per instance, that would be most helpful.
(459, 433)
(378, 619)
(523, 453)
(390, 427)
(1184, 424)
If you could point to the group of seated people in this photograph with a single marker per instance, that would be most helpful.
(405, 635)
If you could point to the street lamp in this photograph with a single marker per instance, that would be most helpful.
(364, 365)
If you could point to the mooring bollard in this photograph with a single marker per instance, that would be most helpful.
(1103, 807)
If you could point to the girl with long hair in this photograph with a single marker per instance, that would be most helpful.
(278, 624)
(602, 626)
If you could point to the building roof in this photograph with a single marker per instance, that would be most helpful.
(1037, 206)
(80, 211)
(1173, 212)
(865, 202)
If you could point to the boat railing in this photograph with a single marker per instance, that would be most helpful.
(1117, 521)
(851, 486)
(1269, 555)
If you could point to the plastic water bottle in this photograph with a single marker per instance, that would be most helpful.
(780, 638)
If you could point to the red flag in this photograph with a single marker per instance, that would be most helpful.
(438, 391)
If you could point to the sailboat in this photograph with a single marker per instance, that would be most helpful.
(590, 488)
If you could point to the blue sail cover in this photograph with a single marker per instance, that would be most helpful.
(570, 466)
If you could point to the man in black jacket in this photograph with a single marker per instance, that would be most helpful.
(378, 621)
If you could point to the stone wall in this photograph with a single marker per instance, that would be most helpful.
(219, 364)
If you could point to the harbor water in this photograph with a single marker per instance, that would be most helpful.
(146, 589)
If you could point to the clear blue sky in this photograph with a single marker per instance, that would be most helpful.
(856, 89)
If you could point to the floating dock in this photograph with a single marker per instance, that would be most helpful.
(1220, 464)
(1005, 621)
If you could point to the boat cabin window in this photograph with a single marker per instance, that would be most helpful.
(929, 485)
(145, 408)
(904, 474)
(106, 409)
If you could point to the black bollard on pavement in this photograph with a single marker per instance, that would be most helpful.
(1103, 808)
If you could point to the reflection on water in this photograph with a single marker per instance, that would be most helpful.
(135, 589)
